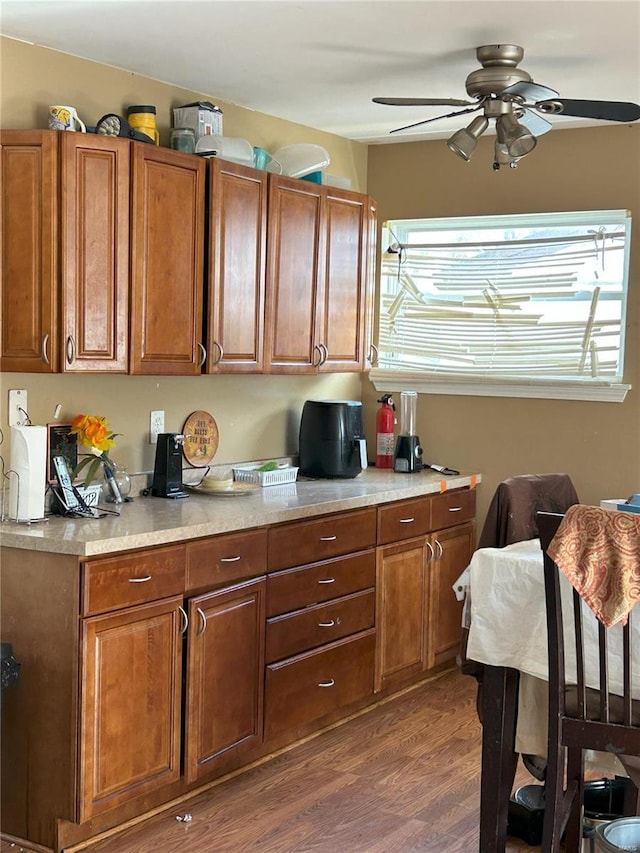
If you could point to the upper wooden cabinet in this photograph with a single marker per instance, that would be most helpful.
(29, 251)
(103, 262)
(317, 274)
(167, 254)
(237, 243)
(65, 241)
(94, 259)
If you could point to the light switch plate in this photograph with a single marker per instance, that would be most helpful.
(18, 408)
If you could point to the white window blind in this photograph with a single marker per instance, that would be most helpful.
(527, 298)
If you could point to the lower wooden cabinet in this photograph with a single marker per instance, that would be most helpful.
(311, 686)
(225, 684)
(130, 711)
(452, 550)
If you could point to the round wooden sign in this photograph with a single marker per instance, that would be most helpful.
(200, 439)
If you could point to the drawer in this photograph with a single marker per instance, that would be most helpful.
(451, 508)
(309, 541)
(311, 686)
(294, 589)
(404, 520)
(115, 582)
(323, 623)
(226, 559)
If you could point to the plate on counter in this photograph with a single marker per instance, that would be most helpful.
(233, 490)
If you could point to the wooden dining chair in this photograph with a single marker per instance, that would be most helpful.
(580, 717)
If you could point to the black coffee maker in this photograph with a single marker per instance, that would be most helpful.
(167, 473)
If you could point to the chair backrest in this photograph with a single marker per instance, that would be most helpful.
(514, 507)
(591, 673)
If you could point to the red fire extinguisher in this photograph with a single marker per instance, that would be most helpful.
(385, 421)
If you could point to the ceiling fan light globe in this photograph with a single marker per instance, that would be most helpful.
(518, 140)
(464, 141)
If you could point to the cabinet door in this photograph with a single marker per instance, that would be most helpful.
(237, 239)
(130, 704)
(29, 256)
(225, 679)
(371, 350)
(452, 550)
(295, 246)
(167, 261)
(342, 315)
(402, 612)
(95, 252)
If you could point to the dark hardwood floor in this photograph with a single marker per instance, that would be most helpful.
(401, 778)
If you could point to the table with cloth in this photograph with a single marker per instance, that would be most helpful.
(599, 552)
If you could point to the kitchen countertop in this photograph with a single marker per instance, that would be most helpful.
(149, 521)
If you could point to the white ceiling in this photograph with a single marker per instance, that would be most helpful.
(320, 62)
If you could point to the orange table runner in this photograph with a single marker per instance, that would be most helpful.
(599, 552)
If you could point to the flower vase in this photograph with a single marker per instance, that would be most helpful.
(118, 483)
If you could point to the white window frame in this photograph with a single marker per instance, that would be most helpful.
(388, 378)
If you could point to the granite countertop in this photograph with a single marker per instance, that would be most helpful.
(149, 521)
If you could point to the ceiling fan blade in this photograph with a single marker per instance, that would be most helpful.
(534, 123)
(605, 110)
(422, 102)
(532, 92)
(436, 118)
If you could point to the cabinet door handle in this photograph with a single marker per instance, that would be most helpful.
(185, 620)
(318, 362)
(71, 350)
(328, 538)
(432, 553)
(230, 559)
(329, 683)
(140, 580)
(327, 580)
(220, 354)
(455, 509)
(373, 354)
(325, 353)
(202, 616)
(204, 354)
(407, 520)
(328, 624)
(440, 549)
(45, 346)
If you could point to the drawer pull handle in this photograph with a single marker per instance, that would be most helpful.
(407, 520)
(200, 612)
(328, 624)
(440, 549)
(328, 538)
(230, 559)
(455, 509)
(327, 580)
(140, 580)
(432, 552)
(329, 683)
(185, 619)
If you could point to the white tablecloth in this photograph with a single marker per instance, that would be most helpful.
(506, 614)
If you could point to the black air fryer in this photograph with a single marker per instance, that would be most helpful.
(332, 442)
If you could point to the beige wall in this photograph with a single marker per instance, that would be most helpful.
(598, 444)
(257, 416)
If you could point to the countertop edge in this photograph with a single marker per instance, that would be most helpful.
(154, 527)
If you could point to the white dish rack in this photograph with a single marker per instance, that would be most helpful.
(252, 474)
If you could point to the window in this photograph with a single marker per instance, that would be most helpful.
(527, 305)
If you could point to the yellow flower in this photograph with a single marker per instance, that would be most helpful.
(93, 432)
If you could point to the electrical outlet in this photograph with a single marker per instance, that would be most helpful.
(156, 426)
(18, 408)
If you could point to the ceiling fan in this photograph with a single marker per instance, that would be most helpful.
(507, 94)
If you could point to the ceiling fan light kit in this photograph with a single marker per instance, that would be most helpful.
(507, 95)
